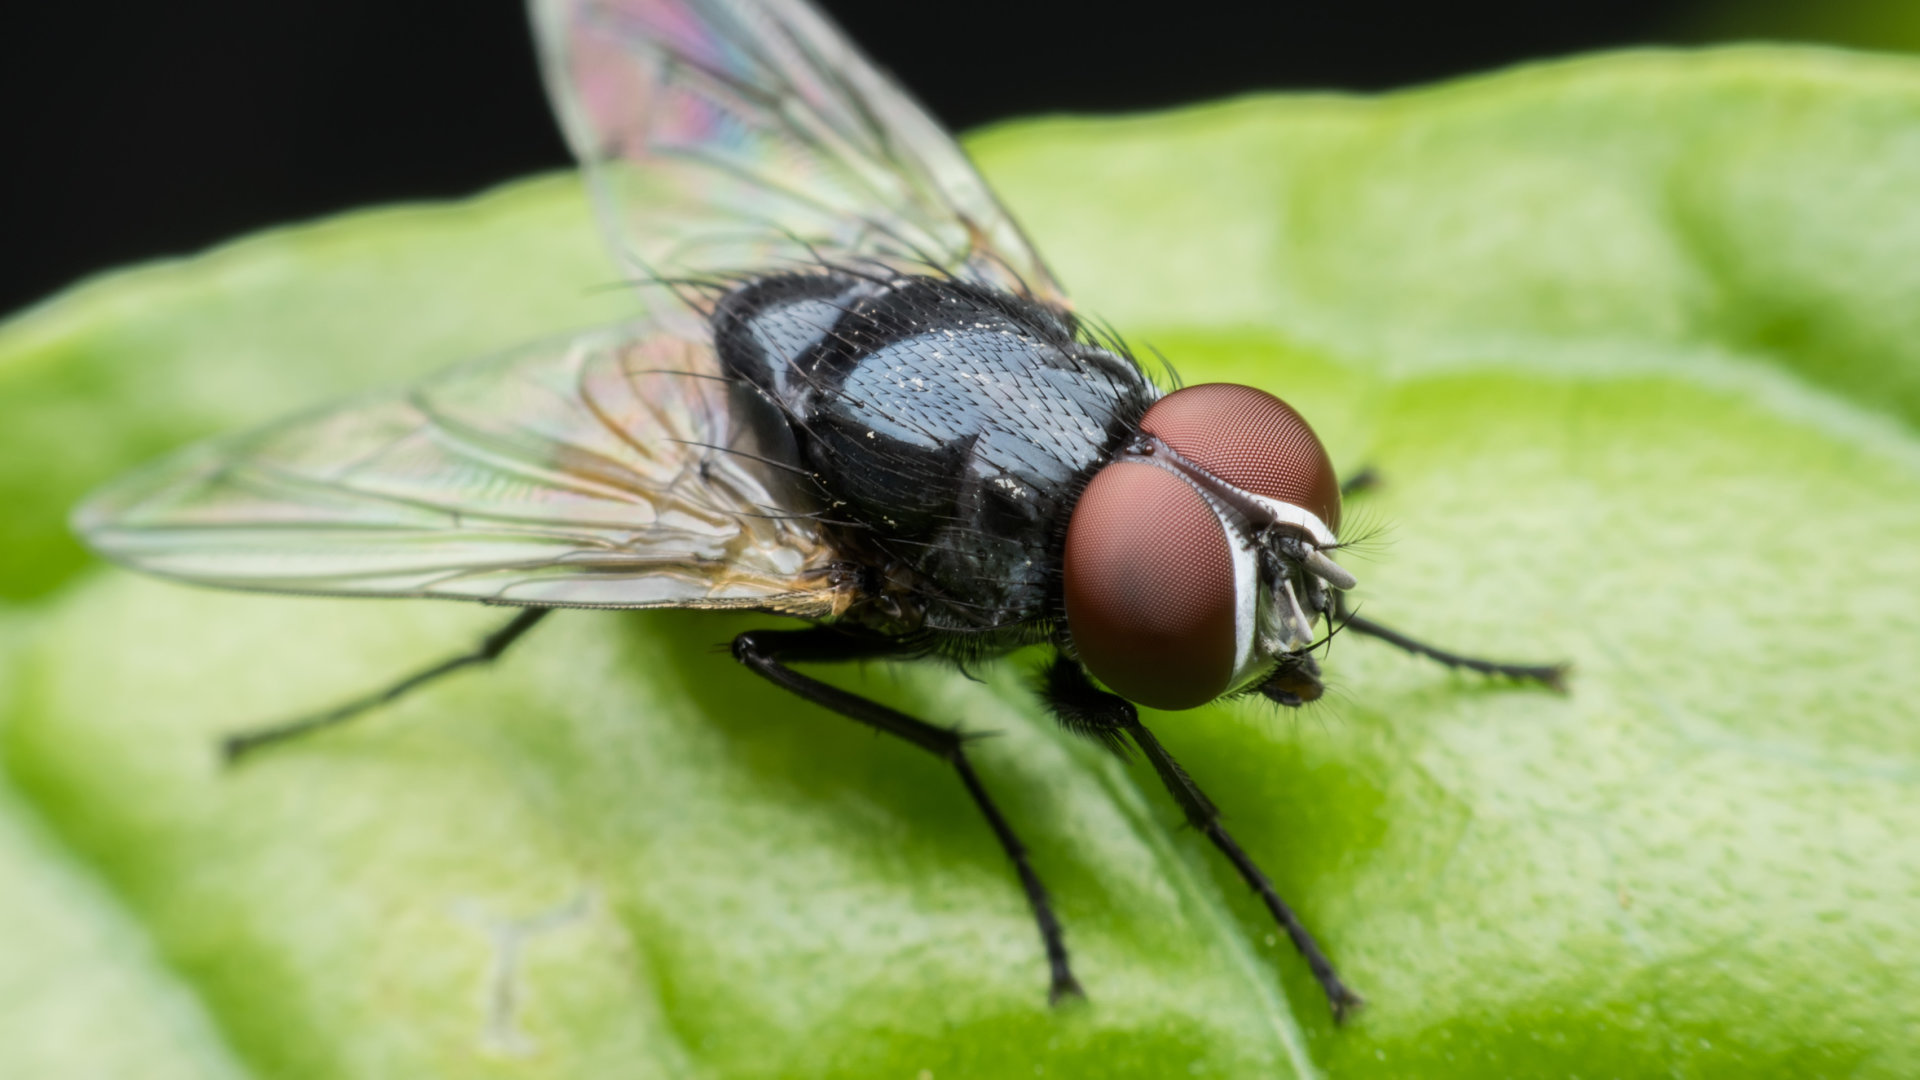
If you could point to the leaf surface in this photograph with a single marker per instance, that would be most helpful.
(1635, 343)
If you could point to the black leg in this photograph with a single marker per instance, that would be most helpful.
(246, 742)
(1205, 817)
(768, 652)
(1553, 676)
(1084, 706)
(1365, 480)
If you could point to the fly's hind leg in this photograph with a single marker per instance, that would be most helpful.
(1552, 676)
(768, 652)
(245, 742)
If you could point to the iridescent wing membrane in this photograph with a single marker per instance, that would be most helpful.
(613, 469)
(746, 135)
(579, 473)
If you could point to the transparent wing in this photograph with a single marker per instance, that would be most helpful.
(724, 136)
(611, 470)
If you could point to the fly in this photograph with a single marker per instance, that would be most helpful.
(851, 394)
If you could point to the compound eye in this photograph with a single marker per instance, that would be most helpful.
(1150, 589)
(1252, 440)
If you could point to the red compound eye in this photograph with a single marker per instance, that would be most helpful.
(1252, 440)
(1150, 587)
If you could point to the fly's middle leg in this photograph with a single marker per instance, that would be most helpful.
(768, 652)
(242, 743)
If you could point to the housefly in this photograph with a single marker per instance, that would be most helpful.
(852, 394)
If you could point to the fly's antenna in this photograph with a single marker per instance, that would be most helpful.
(1368, 534)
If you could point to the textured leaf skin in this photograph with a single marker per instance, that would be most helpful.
(1634, 341)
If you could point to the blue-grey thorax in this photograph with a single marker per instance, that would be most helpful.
(953, 424)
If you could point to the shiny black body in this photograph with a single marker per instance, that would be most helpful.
(948, 430)
(950, 427)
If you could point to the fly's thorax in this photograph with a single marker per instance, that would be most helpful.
(766, 329)
(1197, 563)
(947, 424)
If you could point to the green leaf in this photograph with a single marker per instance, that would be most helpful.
(1635, 342)
(1859, 24)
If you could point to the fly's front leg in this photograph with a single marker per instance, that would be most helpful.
(490, 648)
(1552, 676)
(768, 652)
(1088, 710)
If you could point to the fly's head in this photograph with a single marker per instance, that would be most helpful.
(1197, 561)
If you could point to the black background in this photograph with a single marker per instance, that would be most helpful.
(135, 130)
